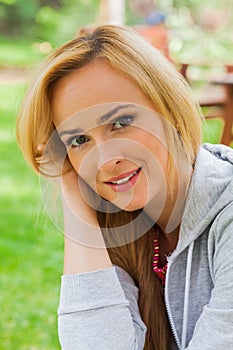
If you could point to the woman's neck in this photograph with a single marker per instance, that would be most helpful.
(169, 219)
(167, 243)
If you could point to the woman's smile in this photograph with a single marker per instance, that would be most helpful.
(123, 182)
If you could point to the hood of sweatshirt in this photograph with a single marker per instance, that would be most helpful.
(211, 189)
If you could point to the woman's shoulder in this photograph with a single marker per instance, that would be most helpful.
(224, 220)
(123, 275)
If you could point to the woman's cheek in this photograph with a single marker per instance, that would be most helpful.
(74, 161)
(84, 171)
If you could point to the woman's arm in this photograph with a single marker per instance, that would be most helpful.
(98, 302)
(214, 329)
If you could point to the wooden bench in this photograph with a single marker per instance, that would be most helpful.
(226, 81)
(216, 99)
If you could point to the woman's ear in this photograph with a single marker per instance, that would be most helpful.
(52, 158)
(40, 150)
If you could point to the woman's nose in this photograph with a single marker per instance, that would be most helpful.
(105, 154)
(108, 155)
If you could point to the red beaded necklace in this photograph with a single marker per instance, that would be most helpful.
(160, 271)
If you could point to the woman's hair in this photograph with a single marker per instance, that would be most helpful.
(131, 56)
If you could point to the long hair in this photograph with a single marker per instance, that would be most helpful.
(129, 55)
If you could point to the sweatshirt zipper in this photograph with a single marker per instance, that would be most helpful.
(169, 310)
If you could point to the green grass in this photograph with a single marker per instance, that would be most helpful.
(212, 130)
(31, 248)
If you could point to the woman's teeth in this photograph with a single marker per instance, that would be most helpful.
(125, 179)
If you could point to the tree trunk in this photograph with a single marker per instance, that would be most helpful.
(112, 12)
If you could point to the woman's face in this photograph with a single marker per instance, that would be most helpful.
(118, 146)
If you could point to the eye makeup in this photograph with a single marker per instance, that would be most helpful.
(122, 121)
(76, 141)
(80, 138)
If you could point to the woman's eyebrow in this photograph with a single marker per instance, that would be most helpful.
(101, 120)
(70, 132)
(106, 116)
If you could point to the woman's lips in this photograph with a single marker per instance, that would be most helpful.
(123, 182)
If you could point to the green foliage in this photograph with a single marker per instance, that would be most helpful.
(196, 32)
(50, 21)
(20, 53)
(8, 2)
(212, 130)
(200, 31)
(59, 25)
(17, 17)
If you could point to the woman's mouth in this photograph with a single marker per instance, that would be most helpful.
(123, 182)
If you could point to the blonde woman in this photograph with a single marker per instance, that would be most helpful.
(148, 211)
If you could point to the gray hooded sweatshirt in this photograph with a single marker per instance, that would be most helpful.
(99, 310)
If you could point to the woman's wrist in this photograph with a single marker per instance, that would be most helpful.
(80, 259)
(74, 201)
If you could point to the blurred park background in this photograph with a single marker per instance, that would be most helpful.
(198, 34)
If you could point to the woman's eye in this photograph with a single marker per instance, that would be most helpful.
(122, 122)
(77, 141)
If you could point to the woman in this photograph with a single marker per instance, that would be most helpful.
(147, 263)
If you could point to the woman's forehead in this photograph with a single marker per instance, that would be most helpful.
(91, 85)
(89, 118)
(98, 114)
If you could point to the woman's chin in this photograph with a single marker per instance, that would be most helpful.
(130, 207)
(122, 206)
(127, 203)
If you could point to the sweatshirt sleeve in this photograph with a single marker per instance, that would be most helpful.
(214, 329)
(99, 310)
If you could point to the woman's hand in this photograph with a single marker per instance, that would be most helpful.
(76, 196)
(85, 250)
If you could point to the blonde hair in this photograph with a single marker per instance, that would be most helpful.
(127, 53)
